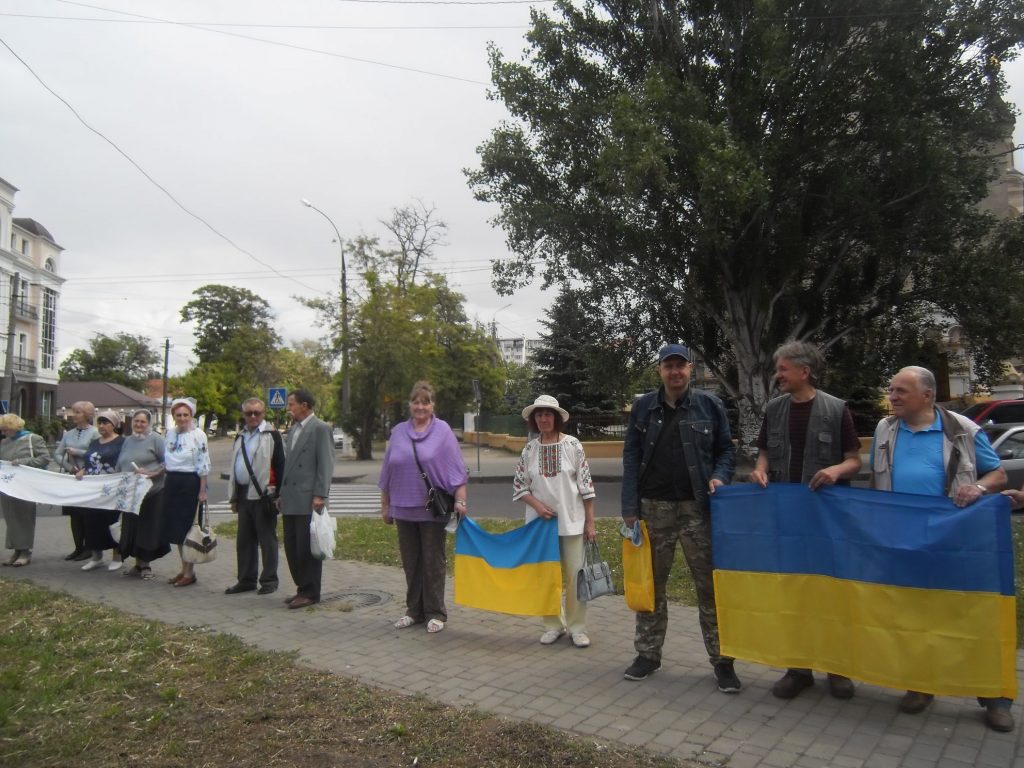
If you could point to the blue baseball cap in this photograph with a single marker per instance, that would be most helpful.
(674, 350)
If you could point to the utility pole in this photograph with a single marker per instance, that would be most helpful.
(9, 360)
(346, 397)
(163, 407)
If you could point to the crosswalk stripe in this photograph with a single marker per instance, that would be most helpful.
(348, 499)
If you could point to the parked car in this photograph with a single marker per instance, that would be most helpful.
(997, 412)
(1008, 442)
(339, 438)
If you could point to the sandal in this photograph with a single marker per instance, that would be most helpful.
(186, 581)
(405, 621)
(146, 573)
(434, 626)
(25, 559)
(173, 579)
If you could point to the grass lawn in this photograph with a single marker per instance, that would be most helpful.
(85, 685)
(369, 540)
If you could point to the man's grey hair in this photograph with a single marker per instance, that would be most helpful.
(925, 378)
(805, 355)
(251, 401)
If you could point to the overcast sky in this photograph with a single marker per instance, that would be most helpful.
(386, 106)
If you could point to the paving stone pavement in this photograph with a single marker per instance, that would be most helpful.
(494, 662)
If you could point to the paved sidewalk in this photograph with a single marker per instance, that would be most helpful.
(494, 662)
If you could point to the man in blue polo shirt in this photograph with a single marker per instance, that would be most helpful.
(927, 450)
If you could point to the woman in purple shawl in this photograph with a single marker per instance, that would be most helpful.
(403, 500)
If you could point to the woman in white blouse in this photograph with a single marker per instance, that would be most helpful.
(553, 480)
(187, 463)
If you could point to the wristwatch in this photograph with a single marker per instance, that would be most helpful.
(981, 488)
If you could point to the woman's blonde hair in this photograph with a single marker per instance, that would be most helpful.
(422, 389)
(11, 421)
(87, 408)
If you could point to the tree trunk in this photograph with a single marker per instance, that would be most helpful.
(753, 372)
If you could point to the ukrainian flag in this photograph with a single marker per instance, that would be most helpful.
(900, 590)
(514, 572)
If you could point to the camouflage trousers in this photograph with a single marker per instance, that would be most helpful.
(667, 523)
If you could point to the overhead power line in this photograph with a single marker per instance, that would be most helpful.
(281, 44)
(241, 25)
(148, 177)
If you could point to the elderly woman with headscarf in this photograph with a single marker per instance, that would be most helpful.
(70, 457)
(101, 459)
(142, 534)
(553, 480)
(187, 463)
(19, 446)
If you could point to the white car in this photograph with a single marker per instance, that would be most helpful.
(1008, 442)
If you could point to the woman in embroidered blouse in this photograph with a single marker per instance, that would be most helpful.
(187, 463)
(101, 459)
(553, 480)
(403, 501)
(143, 453)
(19, 446)
(70, 457)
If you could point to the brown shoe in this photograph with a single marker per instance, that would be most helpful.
(998, 718)
(301, 601)
(915, 701)
(840, 687)
(288, 600)
(790, 684)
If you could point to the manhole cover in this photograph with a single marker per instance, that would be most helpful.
(358, 598)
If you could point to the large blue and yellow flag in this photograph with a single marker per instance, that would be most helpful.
(894, 589)
(514, 572)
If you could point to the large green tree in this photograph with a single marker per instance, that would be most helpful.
(124, 358)
(736, 173)
(221, 312)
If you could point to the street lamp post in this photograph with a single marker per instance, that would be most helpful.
(346, 402)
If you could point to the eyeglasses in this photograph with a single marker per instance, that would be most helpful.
(253, 413)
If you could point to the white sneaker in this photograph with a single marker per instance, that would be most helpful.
(551, 636)
(580, 640)
(115, 565)
(93, 565)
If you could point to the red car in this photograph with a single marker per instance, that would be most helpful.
(996, 412)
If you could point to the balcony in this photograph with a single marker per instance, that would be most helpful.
(25, 365)
(26, 311)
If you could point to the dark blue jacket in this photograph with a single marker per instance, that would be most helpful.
(706, 438)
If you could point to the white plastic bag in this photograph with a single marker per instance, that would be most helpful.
(322, 528)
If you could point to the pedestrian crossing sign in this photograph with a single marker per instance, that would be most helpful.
(276, 397)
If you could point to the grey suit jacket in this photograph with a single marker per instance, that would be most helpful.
(308, 468)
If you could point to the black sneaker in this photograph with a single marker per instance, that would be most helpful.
(790, 684)
(726, 677)
(642, 668)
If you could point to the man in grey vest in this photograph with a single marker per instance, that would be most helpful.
(927, 450)
(809, 437)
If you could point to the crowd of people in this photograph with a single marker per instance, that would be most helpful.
(677, 452)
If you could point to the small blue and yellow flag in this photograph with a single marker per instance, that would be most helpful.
(895, 589)
(514, 572)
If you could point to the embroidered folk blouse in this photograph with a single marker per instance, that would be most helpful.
(558, 475)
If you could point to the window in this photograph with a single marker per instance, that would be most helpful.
(24, 246)
(46, 406)
(50, 266)
(22, 345)
(49, 328)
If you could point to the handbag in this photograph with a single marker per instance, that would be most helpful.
(638, 572)
(200, 544)
(594, 579)
(439, 501)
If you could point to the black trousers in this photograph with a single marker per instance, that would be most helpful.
(305, 569)
(257, 535)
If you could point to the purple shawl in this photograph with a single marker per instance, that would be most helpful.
(441, 458)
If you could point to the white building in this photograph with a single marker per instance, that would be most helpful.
(29, 272)
(518, 350)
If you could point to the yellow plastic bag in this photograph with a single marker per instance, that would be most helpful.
(638, 573)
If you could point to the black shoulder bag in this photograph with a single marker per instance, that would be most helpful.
(439, 501)
(248, 468)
